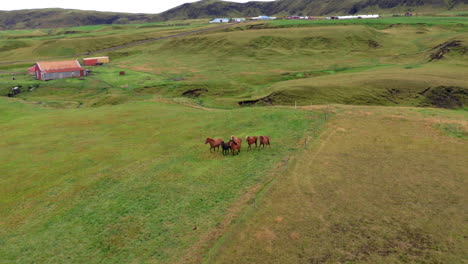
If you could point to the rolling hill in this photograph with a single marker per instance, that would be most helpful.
(53, 18)
(211, 8)
(56, 17)
(113, 168)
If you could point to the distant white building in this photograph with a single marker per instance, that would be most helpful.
(220, 20)
(237, 19)
(354, 17)
(263, 18)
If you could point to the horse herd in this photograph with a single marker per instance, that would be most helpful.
(234, 144)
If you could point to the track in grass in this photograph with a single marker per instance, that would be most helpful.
(127, 183)
(381, 185)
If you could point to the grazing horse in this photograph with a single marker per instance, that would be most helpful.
(236, 144)
(264, 140)
(226, 147)
(251, 140)
(213, 143)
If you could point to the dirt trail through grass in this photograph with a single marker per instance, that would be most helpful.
(138, 43)
(381, 185)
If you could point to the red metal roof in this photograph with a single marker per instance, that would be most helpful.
(59, 66)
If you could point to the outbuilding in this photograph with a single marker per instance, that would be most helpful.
(263, 18)
(238, 19)
(51, 70)
(220, 20)
(95, 61)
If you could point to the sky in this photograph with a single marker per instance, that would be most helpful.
(132, 6)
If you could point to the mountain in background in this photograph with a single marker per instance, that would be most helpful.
(51, 18)
(56, 17)
(218, 8)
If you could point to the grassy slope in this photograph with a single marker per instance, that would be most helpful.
(308, 61)
(279, 8)
(382, 185)
(132, 182)
(129, 183)
(56, 17)
(68, 41)
(248, 64)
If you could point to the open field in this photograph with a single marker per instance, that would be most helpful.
(382, 185)
(112, 169)
(128, 183)
(43, 43)
(346, 62)
(452, 21)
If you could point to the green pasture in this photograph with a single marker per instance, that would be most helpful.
(348, 63)
(45, 43)
(383, 185)
(112, 168)
(127, 183)
(458, 21)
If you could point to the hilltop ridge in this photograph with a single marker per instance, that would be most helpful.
(51, 18)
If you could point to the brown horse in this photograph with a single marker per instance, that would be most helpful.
(213, 143)
(264, 140)
(251, 140)
(236, 144)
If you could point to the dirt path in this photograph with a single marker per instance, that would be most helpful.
(119, 47)
(172, 101)
(382, 185)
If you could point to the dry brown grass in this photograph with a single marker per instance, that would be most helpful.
(381, 185)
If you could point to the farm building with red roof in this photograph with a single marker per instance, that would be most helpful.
(51, 70)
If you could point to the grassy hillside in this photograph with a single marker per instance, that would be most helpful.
(129, 183)
(113, 169)
(54, 17)
(45, 43)
(382, 185)
(417, 61)
(217, 8)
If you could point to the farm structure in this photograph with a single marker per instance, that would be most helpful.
(51, 70)
(263, 18)
(354, 17)
(300, 17)
(238, 19)
(220, 20)
(95, 61)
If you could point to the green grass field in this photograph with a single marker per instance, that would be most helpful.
(127, 183)
(383, 185)
(284, 61)
(377, 23)
(113, 169)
